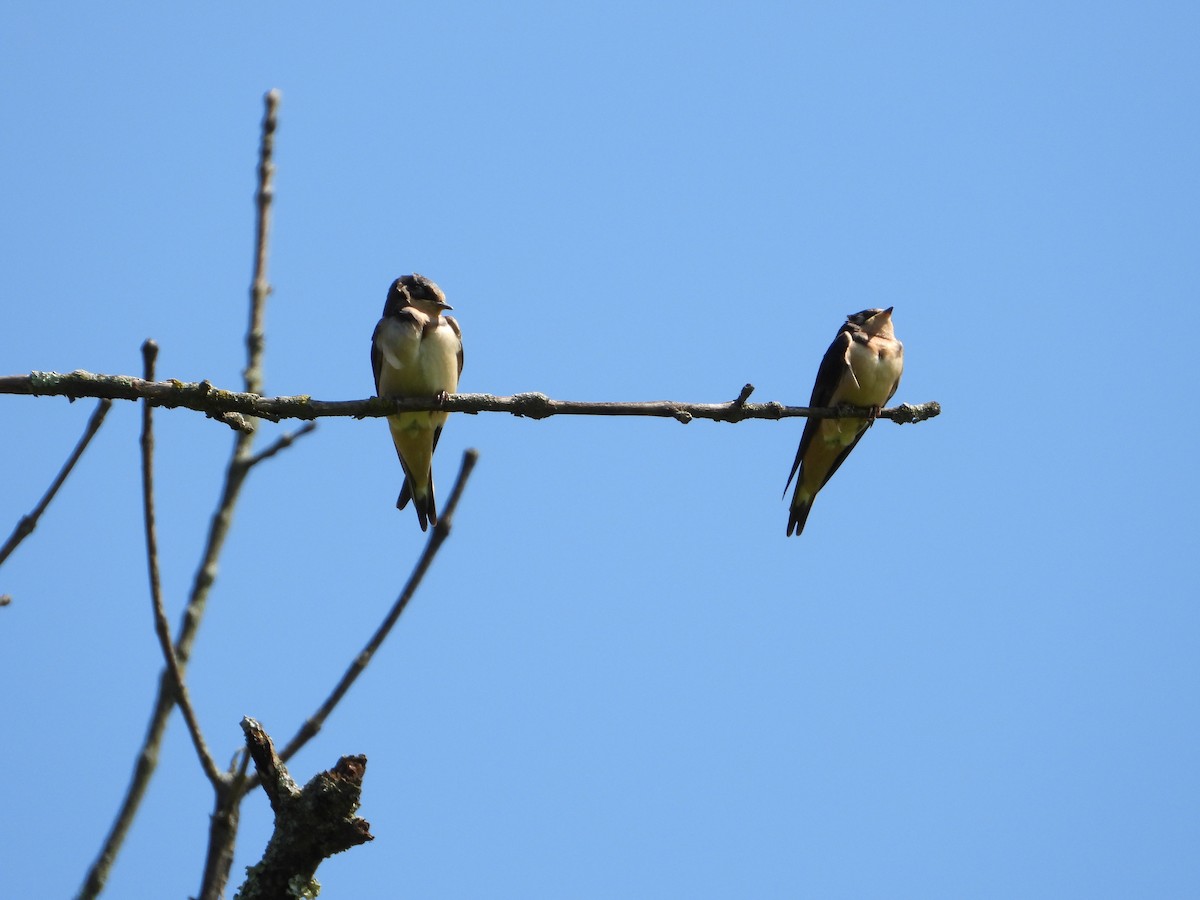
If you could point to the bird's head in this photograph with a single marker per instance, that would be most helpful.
(873, 321)
(418, 292)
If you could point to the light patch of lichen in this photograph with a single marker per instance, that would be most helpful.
(304, 888)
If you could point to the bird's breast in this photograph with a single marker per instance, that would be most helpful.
(876, 367)
(419, 359)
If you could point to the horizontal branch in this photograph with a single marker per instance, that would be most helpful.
(214, 402)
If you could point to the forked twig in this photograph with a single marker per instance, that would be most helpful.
(161, 627)
(206, 573)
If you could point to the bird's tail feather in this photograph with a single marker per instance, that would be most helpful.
(798, 515)
(425, 506)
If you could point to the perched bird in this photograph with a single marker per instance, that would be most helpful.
(861, 368)
(416, 352)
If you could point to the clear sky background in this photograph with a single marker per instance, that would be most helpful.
(975, 675)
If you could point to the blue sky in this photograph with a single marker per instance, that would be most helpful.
(976, 673)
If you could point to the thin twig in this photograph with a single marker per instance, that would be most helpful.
(440, 532)
(259, 287)
(223, 835)
(205, 398)
(161, 627)
(27, 523)
(206, 574)
(222, 830)
(281, 443)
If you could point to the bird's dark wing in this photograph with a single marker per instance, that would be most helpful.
(376, 356)
(833, 366)
(829, 375)
(458, 334)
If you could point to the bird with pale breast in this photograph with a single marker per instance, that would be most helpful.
(862, 367)
(416, 351)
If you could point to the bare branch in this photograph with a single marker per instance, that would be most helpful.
(222, 830)
(205, 398)
(28, 523)
(161, 627)
(281, 443)
(311, 823)
(206, 574)
(440, 532)
(259, 288)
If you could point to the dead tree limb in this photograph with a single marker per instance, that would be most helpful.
(311, 823)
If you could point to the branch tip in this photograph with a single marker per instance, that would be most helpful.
(27, 523)
(437, 537)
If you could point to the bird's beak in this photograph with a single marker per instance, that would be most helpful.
(888, 312)
(448, 306)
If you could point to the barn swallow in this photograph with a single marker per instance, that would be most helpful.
(416, 352)
(862, 367)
